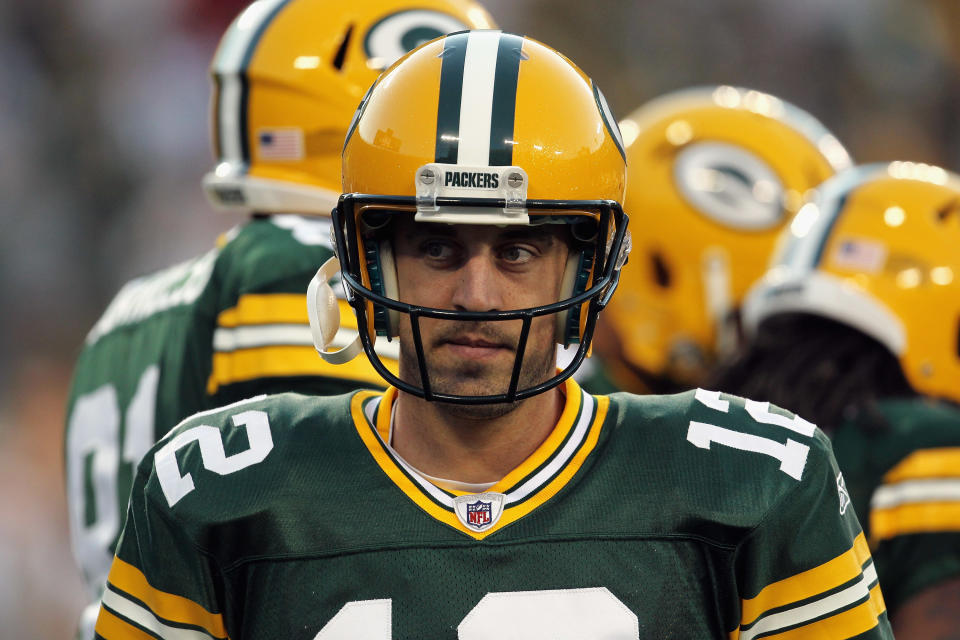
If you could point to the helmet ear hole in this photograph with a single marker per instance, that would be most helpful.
(957, 345)
(661, 272)
(584, 230)
(342, 51)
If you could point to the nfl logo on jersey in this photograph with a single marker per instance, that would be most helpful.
(478, 514)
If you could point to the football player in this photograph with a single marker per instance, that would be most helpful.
(714, 174)
(233, 323)
(484, 494)
(857, 325)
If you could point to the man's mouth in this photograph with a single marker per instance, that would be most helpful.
(475, 346)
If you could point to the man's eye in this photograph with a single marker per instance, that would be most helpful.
(437, 251)
(516, 255)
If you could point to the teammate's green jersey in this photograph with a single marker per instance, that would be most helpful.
(903, 473)
(692, 516)
(222, 327)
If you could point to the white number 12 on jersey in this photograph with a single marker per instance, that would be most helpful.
(792, 454)
(559, 614)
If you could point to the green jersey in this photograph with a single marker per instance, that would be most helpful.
(699, 515)
(222, 327)
(904, 479)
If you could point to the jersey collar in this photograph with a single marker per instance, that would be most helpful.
(537, 479)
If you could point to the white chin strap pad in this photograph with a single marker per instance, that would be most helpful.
(324, 313)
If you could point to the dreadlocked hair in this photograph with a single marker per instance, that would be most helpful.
(820, 369)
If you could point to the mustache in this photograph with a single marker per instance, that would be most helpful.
(474, 330)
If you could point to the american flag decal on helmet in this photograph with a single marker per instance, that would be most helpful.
(280, 143)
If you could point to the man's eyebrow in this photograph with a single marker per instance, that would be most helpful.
(420, 229)
(535, 234)
(531, 234)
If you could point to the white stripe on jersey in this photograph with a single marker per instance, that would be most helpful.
(146, 618)
(262, 336)
(476, 101)
(562, 457)
(298, 335)
(913, 491)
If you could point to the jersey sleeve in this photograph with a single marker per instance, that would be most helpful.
(806, 570)
(911, 492)
(262, 341)
(160, 584)
(915, 522)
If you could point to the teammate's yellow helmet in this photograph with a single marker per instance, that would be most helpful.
(714, 174)
(288, 76)
(878, 249)
(483, 127)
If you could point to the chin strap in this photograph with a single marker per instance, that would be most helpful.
(324, 313)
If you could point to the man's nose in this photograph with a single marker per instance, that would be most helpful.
(479, 287)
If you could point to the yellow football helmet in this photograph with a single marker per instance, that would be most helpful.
(714, 174)
(878, 249)
(481, 127)
(288, 76)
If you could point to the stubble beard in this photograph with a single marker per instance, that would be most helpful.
(472, 378)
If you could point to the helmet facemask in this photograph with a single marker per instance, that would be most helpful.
(597, 250)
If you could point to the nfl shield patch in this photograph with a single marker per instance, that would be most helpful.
(479, 512)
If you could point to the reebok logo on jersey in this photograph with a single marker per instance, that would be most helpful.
(471, 179)
(844, 494)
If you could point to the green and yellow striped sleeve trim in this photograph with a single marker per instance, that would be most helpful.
(268, 336)
(132, 609)
(921, 494)
(838, 599)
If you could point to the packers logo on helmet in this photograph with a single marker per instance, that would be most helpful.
(478, 127)
(877, 250)
(714, 174)
(287, 78)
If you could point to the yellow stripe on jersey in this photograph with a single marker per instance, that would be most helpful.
(270, 308)
(919, 517)
(926, 463)
(130, 580)
(287, 361)
(809, 583)
(847, 624)
(277, 308)
(113, 628)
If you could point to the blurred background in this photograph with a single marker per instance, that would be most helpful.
(104, 128)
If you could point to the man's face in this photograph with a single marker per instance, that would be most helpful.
(478, 268)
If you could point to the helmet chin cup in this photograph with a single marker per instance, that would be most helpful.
(324, 313)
